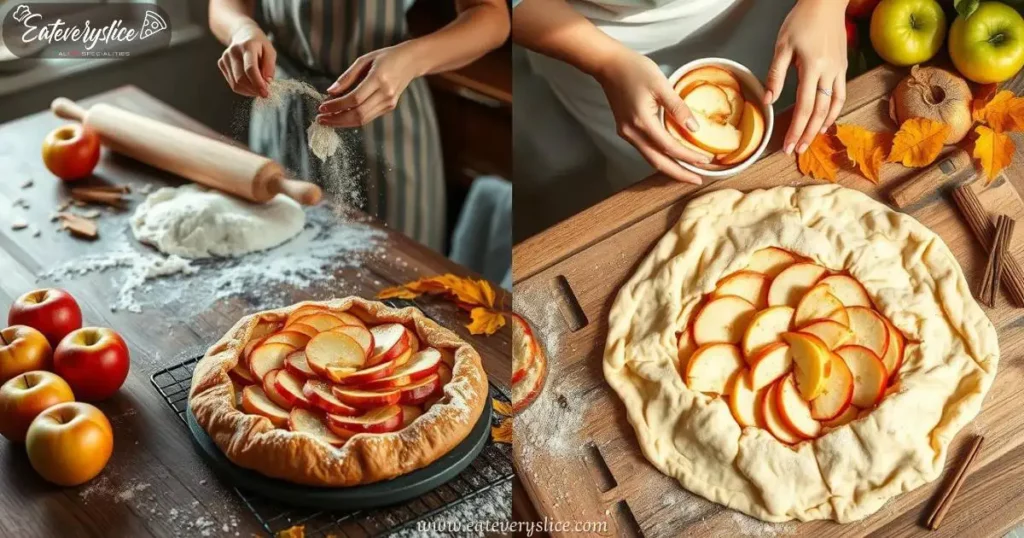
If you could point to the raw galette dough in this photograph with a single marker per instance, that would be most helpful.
(847, 473)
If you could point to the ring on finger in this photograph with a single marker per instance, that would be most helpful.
(825, 91)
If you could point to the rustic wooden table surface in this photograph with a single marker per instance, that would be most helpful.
(599, 248)
(155, 483)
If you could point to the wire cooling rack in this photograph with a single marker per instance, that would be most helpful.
(490, 469)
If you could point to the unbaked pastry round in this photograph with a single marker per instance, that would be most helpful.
(253, 442)
(851, 471)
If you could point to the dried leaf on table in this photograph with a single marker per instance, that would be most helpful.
(867, 149)
(501, 407)
(397, 292)
(993, 150)
(918, 142)
(980, 100)
(819, 160)
(485, 321)
(1005, 112)
(297, 531)
(502, 433)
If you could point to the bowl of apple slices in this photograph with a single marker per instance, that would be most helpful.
(727, 101)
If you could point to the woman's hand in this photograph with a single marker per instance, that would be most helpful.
(249, 61)
(814, 38)
(371, 87)
(636, 89)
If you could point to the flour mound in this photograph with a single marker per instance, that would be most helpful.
(193, 222)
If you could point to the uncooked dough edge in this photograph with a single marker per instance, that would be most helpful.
(841, 229)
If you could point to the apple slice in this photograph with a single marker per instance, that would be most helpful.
(290, 386)
(331, 349)
(365, 399)
(712, 368)
(709, 74)
(321, 321)
(419, 391)
(410, 413)
(304, 311)
(256, 402)
(304, 329)
(523, 346)
(893, 358)
(743, 402)
(292, 338)
(810, 363)
(319, 394)
(707, 99)
(869, 330)
(722, 320)
(308, 422)
(844, 418)
(268, 357)
(242, 375)
(271, 390)
(736, 105)
(348, 319)
(751, 128)
(251, 346)
(837, 395)
(360, 334)
(419, 366)
(445, 372)
(684, 350)
(766, 328)
(713, 136)
(414, 341)
(748, 285)
(869, 375)
(847, 290)
(792, 283)
(448, 356)
(831, 332)
(677, 132)
(348, 376)
(795, 411)
(773, 417)
(817, 303)
(380, 420)
(389, 341)
(770, 261)
(296, 363)
(770, 364)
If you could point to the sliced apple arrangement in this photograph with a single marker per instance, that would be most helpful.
(731, 126)
(333, 375)
(529, 364)
(795, 348)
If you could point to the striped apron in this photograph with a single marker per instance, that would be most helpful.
(391, 167)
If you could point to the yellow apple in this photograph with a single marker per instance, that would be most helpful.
(907, 32)
(988, 46)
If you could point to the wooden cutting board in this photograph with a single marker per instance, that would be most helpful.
(584, 260)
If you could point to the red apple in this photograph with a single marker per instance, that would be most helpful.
(25, 396)
(23, 349)
(71, 151)
(94, 361)
(851, 34)
(53, 312)
(860, 8)
(69, 443)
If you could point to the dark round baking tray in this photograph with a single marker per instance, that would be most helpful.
(396, 490)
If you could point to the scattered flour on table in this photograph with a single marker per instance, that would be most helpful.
(265, 278)
(194, 222)
(749, 526)
(493, 506)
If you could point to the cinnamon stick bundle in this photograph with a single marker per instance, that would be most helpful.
(996, 260)
(948, 493)
(984, 231)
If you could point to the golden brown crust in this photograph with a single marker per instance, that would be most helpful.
(251, 441)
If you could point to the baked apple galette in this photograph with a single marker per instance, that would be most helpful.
(799, 353)
(338, 393)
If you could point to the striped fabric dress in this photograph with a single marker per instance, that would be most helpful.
(392, 166)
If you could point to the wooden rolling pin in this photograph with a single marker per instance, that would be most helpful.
(929, 179)
(213, 163)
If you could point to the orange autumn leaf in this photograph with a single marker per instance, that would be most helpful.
(982, 96)
(993, 150)
(501, 407)
(867, 149)
(502, 433)
(918, 142)
(297, 531)
(485, 321)
(397, 292)
(463, 290)
(819, 159)
(1005, 112)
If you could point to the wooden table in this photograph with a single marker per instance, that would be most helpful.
(594, 252)
(155, 483)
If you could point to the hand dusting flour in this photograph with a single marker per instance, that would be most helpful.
(194, 222)
(323, 140)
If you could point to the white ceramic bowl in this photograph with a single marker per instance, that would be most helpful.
(752, 88)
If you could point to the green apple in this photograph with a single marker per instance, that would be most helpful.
(907, 32)
(988, 46)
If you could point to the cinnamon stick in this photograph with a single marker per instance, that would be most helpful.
(996, 260)
(984, 231)
(948, 493)
(79, 226)
(98, 195)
